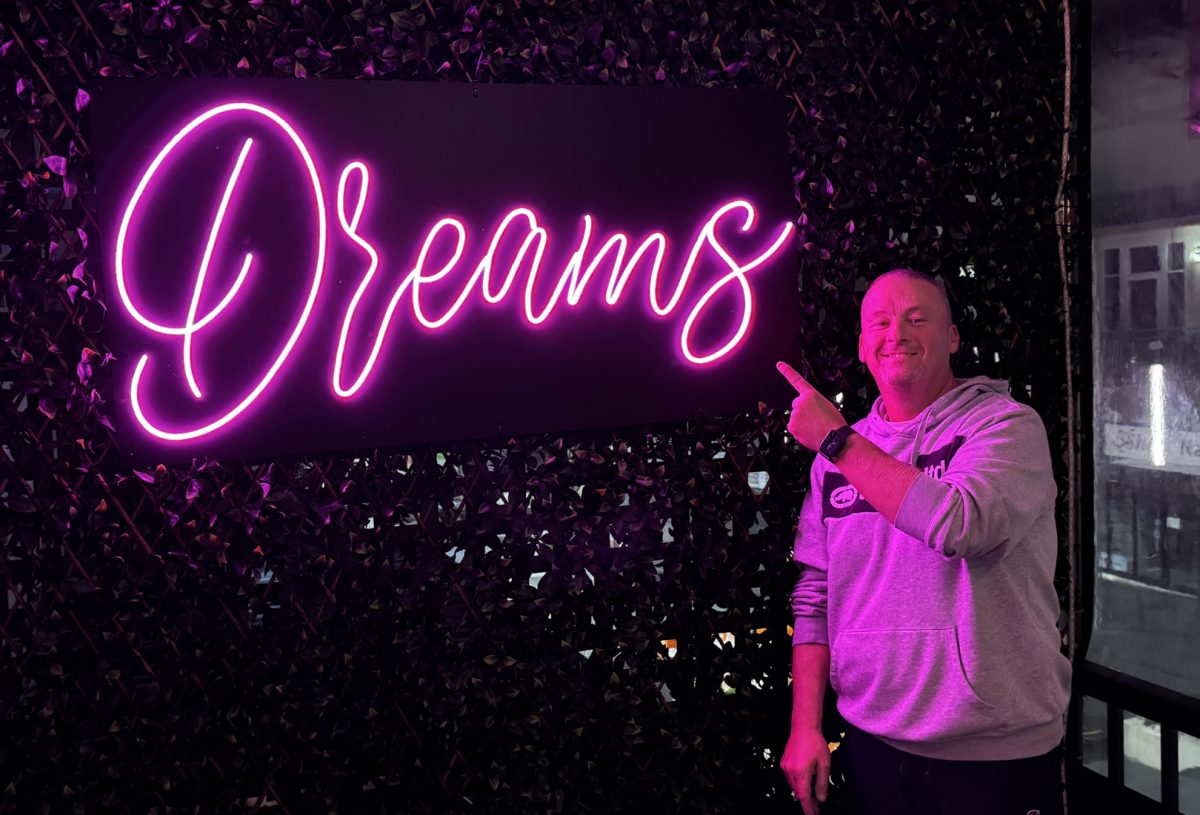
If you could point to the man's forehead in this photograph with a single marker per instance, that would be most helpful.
(900, 293)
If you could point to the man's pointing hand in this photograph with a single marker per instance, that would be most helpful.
(813, 416)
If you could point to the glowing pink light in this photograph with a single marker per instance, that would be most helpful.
(575, 283)
(419, 278)
(570, 276)
(482, 275)
(192, 325)
(616, 284)
(737, 272)
(522, 223)
(574, 279)
(536, 233)
(350, 227)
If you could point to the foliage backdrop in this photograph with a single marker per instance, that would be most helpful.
(526, 625)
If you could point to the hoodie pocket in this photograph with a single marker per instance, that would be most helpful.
(908, 685)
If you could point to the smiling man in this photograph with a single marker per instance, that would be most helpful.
(927, 547)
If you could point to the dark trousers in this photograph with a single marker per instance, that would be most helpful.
(881, 779)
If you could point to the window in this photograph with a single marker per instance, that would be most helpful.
(1148, 519)
(1112, 289)
(1146, 352)
(1112, 303)
(1176, 252)
(1143, 259)
(1175, 300)
(1134, 290)
(1143, 304)
(1112, 262)
(1181, 530)
(1115, 549)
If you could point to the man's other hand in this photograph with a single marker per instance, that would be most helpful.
(806, 764)
(813, 416)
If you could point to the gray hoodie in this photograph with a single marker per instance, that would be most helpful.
(942, 628)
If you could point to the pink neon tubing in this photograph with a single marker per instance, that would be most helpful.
(208, 251)
(707, 234)
(571, 280)
(191, 327)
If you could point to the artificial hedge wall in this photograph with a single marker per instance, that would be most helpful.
(594, 622)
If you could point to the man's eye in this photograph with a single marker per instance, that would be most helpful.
(918, 320)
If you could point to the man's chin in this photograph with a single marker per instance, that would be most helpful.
(900, 379)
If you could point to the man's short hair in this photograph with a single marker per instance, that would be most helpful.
(912, 274)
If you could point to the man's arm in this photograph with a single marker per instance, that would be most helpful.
(878, 477)
(806, 758)
(810, 667)
(997, 486)
(999, 483)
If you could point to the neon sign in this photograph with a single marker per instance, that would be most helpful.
(365, 279)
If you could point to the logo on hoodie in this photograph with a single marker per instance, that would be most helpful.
(934, 464)
(840, 498)
(843, 497)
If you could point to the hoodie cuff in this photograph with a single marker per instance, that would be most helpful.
(920, 506)
(810, 631)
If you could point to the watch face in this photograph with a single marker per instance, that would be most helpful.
(834, 442)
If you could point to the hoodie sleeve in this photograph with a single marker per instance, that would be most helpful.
(996, 486)
(810, 595)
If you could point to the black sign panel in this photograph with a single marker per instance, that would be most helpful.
(316, 266)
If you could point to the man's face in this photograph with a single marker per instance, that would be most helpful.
(907, 337)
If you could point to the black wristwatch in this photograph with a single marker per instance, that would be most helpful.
(835, 442)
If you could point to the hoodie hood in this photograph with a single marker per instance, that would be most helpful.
(945, 407)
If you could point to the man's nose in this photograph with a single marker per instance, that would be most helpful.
(898, 330)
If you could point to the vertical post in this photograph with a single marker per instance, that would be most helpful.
(1170, 768)
(1135, 532)
(1116, 744)
(1164, 548)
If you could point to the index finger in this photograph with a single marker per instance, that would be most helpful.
(793, 376)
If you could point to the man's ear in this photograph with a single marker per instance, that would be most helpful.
(954, 339)
(861, 358)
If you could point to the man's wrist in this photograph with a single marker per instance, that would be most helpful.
(803, 722)
(853, 443)
(833, 445)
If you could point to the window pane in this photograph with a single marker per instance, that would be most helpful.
(1143, 259)
(1143, 304)
(1114, 544)
(1176, 300)
(1095, 735)
(1189, 774)
(1175, 251)
(1146, 356)
(1112, 303)
(1143, 756)
(1148, 522)
(1112, 262)
(1182, 530)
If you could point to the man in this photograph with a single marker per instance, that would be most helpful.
(927, 547)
